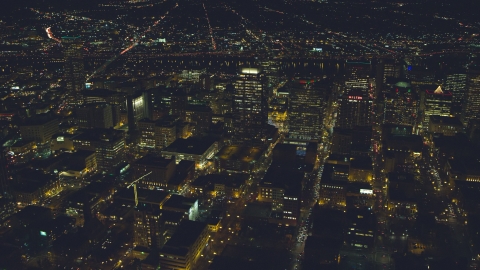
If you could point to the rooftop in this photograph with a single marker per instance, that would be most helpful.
(153, 160)
(179, 202)
(238, 152)
(192, 145)
(446, 120)
(184, 237)
(100, 134)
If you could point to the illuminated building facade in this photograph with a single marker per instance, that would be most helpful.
(471, 108)
(74, 66)
(250, 108)
(108, 144)
(306, 112)
(147, 133)
(137, 109)
(456, 83)
(355, 109)
(281, 186)
(39, 128)
(401, 105)
(146, 225)
(437, 102)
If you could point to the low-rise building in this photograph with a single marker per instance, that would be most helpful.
(239, 159)
(32, 186)
(185, 246)
(198, 149)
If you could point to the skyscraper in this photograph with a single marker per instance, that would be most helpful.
(73, 65)
(355, 109)
(97, 115)
(471, 107)
(401, 105)
(250, 109)
(306, 112)
(456, 83)
(437, 102)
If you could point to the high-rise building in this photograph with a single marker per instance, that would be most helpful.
(437, 102)
(3, 175)
(115, 99)
(250, 108)
(73, 64)
(137, 109)
(358, 74)
(153, 227)
(306, 112)
(147, 133)
(355, 109)
(108, 144)
(95, 116)
(456, 83)
(147, 226)
(391, 68)
(200, 116)
(401, 105)
(178, 103)
(471, 107)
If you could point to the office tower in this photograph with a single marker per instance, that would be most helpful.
(306, 112)
(358, 76)
(358, 69)
(355, 109)
(456, 83)
(138, 108)
(97, 115)
(401, 105)
(146, 225)
(147, 133)
(250, 109)
(108, 144)
(73, 65)
(200, 116)
(471, 107)
(115, 99)
(178, 103)
(3, 174)
(437, 102)
(391, 68)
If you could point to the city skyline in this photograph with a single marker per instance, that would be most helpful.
(242, 134)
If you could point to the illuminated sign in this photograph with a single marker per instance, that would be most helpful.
(60, 139)
(42, 233)
(250, 70)
(317, 49)
(355, 97)
(366, 191)
(15, 88)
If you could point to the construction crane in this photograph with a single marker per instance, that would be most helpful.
(134, 184)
